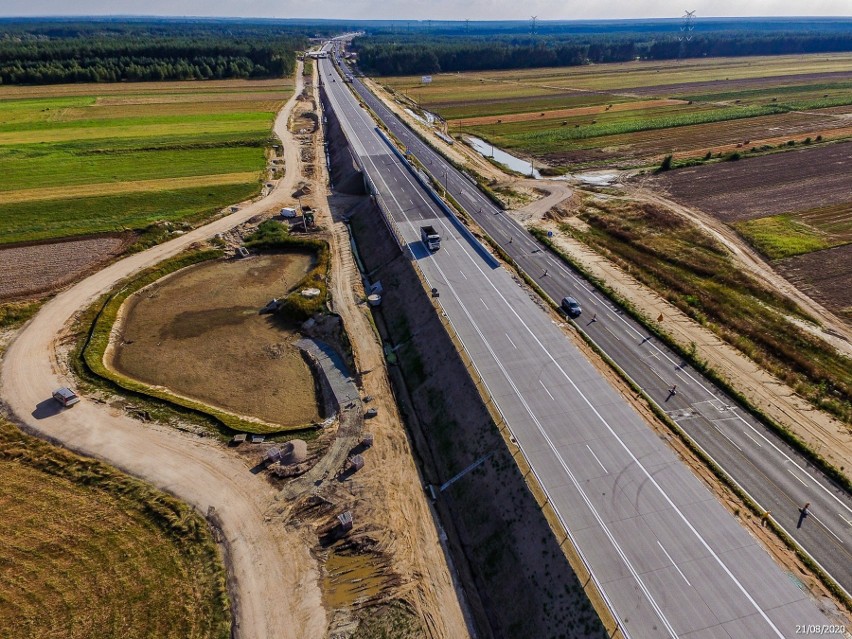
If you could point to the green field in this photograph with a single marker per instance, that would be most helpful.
(89, 553)
(45, 219)
(91, 135)
(789, 234)
(721, 102)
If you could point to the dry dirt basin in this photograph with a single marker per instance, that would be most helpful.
(199, 333)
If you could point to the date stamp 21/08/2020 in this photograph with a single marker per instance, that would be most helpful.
(820, 629)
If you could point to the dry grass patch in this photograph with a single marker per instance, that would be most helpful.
(87, 552)
(691, 270)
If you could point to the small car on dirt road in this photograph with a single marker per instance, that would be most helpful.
(65, 396)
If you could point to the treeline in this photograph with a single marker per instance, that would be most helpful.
(416, 54)
(51, 53)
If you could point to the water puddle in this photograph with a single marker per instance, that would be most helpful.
(597, 179)
(427, 118)
(489, 151)
(351, 578)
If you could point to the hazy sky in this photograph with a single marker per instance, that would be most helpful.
(430, 9)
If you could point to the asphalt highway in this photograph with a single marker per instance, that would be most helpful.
(774, 474)
(670, 560)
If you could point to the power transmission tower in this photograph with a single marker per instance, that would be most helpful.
(686, 27)
(532, 24)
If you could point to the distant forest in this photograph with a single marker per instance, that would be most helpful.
(53, 52)
(401, 50)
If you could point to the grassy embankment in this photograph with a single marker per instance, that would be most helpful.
(97, 322)
(92, 159)
(700, 278)
(89, 552)
(598, 94)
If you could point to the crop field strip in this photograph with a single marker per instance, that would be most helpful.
(640, 111)
(70, 217)
(193, 147)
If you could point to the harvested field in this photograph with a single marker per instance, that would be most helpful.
(113, 188)
(757, 187)
(825, 276)
(199, 334)
(40, 268)
(710, 89)
(191, 87)
(89, 553)
(566, 113)
(627, 77)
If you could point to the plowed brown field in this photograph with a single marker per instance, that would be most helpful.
(824, 275)
(41, 268)
(769, 185)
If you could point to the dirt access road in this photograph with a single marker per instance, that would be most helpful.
(274, 578)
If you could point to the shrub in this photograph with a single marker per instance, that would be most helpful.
(666, 164)
(272, 235)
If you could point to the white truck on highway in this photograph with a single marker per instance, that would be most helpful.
(430, 237)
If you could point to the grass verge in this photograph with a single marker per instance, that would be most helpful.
(90, 552)
(696, 274)
(13, 314)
